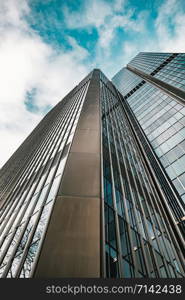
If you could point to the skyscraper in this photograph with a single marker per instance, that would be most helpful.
(155, 97)
(87, 194)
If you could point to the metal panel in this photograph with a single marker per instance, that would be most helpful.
(89, 118)
(86, 140)
(81, 176)
(72, 243)
(71, 247)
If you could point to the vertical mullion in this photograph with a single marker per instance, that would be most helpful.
(24, 254)
(143, 213)
(37, 174)
(113, 194)
(102, 204)
(156, 181)
(129, 184)
(130, 236)
(32, 194)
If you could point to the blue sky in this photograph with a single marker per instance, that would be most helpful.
(48, 46)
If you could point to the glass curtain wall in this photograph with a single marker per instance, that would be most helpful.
(138, 239)
(162, 119)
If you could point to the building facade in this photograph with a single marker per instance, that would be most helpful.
(155, 97)
(88, 193)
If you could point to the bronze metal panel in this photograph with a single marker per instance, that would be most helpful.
(81, 175)
(86, 141)
(72, 243)
(89, 118)
(71, 247)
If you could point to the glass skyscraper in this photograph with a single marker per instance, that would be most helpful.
(98, 188)
(156, 100)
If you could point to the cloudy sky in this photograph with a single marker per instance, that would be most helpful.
(48, 46)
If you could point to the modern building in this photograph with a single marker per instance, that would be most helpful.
(155, 97)
(97, 190)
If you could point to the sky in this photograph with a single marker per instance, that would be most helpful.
(48, 46)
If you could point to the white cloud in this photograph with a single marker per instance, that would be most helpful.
(12, 11)
(118, 5)
(167, 36)
(125, 22)
(93, 14)
(28, 63)
(106, 17)
(130, 50)
(170, 27)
